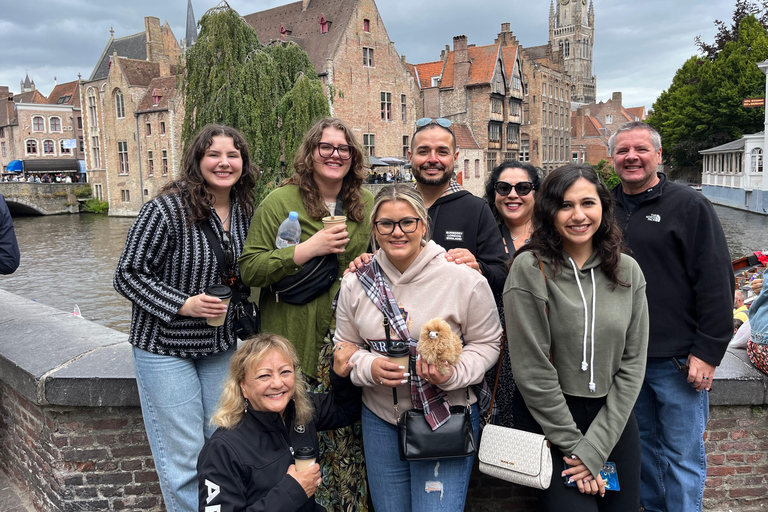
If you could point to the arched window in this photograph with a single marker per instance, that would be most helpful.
(91, 99)
(567, 48)
(31, 146)
(119, 104)
(757, 160)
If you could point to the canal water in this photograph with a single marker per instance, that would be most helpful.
(68, 260)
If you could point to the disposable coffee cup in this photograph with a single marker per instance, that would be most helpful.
(304, 457)
(224, 293)
(334, 220)
(400, 354)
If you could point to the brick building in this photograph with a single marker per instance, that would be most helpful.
(546, 132)
(41, 132)
(480, 87)
(133, 122)
(369, 86)
(592, 126)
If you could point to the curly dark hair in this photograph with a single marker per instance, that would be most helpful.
(546, 240)
(304, 169)
(191, 184)
(490, 194)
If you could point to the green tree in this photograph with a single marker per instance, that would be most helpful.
(703, 106)
(271, 93)
(725, 33)
(607, 175)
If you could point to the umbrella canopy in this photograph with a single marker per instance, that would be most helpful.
(376, 162)
(14, 166)
(390, 160)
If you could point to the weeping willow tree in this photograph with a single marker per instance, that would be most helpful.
(270, 93)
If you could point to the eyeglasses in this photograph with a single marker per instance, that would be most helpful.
(406, 225)
(441, 121)
(523, 188)
(325, 149)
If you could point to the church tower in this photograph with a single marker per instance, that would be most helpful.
(571, 32)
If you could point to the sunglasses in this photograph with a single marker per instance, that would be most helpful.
(523, 188)
(326, 150)
(440, 121)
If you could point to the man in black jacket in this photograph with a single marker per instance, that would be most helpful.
(460, 222)
(677, 239)
(9, 248)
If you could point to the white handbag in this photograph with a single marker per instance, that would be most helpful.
(516, 456)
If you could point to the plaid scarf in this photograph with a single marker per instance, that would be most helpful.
(424, 396)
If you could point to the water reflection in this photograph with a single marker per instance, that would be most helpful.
(70, 259)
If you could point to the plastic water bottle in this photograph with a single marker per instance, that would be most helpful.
(289, 232)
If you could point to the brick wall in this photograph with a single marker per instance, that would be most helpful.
(77, 458)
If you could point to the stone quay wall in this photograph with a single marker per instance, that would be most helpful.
(72, 435)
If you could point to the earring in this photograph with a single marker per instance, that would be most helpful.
(247, 404)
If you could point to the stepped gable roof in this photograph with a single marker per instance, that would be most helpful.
(132, 47)
(65, 94)
(139, 73)
(30, 97)
(464, 137)
(304, 26)
(164, 88)
(424, 72)
(482, 63)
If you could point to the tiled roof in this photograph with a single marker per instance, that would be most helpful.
(65, 94)
(482, 63)
(509, 54)
(536, 52)
(305, 26)
(30, 97)
(425, 71)
(132, 47)
(639, 112)
(593, 127)
(464, 137)
(141, 72)
(165, 88)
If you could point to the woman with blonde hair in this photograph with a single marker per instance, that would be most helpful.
(327, 180)
(265, 417)
(409, 282)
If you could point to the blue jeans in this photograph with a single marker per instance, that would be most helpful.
(672, 417)
(398, 486)
(178, 397)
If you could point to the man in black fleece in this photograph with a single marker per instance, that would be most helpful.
(677, 239)
(460, 222)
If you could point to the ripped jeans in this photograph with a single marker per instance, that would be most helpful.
(397, 486)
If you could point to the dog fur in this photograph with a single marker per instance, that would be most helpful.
(438, 344)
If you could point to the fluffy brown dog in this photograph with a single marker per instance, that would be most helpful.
(438, 344)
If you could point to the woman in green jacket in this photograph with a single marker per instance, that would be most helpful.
(328, 168)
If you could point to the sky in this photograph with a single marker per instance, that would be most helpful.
(637, 50)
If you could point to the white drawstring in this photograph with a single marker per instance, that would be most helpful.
(584, 364)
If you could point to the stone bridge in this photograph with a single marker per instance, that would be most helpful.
(41, 198)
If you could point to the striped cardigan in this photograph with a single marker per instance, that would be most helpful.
(164, 262)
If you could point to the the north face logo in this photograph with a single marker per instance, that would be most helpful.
(654, 217)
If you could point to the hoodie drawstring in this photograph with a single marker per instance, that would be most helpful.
(584, 364)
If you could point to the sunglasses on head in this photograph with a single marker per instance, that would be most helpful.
(440, 121)
(523, 188)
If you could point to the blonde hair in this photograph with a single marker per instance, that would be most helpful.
(399, 192)
(251, 352)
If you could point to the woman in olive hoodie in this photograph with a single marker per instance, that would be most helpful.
(579, 338)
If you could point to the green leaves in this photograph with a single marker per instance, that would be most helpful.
(270, 93)
(703, 106)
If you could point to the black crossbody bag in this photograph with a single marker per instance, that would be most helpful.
(316, 276)
(246, 320)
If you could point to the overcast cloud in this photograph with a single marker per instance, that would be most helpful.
(638, 45)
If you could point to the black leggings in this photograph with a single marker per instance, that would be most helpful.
(626, 456)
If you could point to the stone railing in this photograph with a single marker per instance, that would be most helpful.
(72, 435)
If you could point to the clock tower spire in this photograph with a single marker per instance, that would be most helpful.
(571, 32)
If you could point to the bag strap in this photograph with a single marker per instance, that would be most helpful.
(503, 345)
(339, 205)
(215, 245)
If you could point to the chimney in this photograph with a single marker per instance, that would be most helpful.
(616, 97)
(154, 38)
(505, 27)
(165, 66)
(460, 49)
(460, 62)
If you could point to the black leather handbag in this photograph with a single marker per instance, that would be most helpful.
(417, 441)
(317, 275)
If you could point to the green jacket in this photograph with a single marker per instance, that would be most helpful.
(614, 369)
(262, 265)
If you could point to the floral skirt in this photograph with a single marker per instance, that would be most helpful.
(758, 354)
(344, 487)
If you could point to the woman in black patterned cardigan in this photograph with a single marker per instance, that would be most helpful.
(167, 263)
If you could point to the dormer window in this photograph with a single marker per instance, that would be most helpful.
(284, 31)
(366, 25)
(325, 24)
(156, 98)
